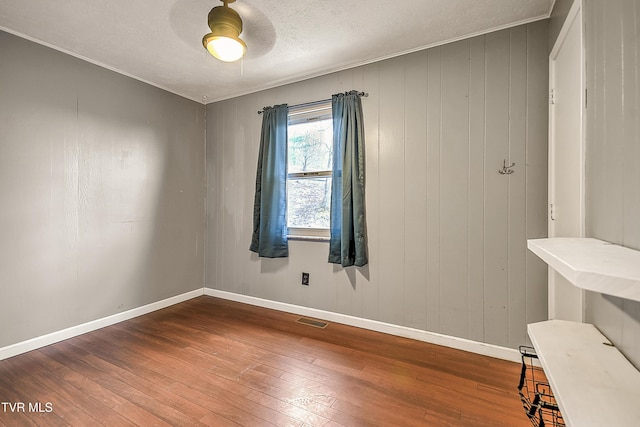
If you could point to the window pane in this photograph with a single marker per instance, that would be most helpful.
(310, 146)
(308, 202)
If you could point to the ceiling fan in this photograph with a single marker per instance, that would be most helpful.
(224, 40)
(258, 32)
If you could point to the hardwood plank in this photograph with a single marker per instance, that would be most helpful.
(209, 361)
(128, 387)
(220, 408)
(384, 412)
(108, 398)
(190, 410)
(123, 358)
(288, 408)
(16, 389)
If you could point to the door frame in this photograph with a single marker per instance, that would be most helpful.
(574, 17)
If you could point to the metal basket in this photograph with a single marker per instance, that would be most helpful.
(535, 393)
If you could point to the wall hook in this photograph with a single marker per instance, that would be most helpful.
(506, 170)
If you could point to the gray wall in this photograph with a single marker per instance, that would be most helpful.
(447, 233)
(613, 153)
(101, 192)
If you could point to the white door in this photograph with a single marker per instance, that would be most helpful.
(566, 157)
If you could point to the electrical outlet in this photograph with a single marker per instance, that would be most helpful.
(305, 279)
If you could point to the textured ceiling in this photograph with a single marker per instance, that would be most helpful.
(159, 41)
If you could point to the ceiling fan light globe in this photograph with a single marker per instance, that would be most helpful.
(226, 49)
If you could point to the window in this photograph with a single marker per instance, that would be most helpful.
(310, 155)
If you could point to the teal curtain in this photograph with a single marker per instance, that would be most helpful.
(348, 244)
(269, 237)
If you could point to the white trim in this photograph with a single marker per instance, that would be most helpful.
(574, 17)
(343, 67)
(301, 238)
(553, 5)
(374, 325)
(574, 12)
(54, 337)
(286, 81)
(312, 234)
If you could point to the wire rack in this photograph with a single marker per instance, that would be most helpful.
(536, 396)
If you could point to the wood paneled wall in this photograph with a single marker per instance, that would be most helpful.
(612, 31)
(447, 233)
(101, 192)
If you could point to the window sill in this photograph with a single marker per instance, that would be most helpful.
(310, 238)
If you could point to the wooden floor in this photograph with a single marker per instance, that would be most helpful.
(213, 362)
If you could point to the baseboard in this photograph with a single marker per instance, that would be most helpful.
(374, 325)
(54, 337)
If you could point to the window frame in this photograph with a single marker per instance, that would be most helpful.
(315, 111)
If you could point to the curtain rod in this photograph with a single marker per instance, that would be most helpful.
(322, 101)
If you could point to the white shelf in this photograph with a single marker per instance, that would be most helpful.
(592, 264)
(592, 382)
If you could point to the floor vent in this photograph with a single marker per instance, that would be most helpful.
(311, 322)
